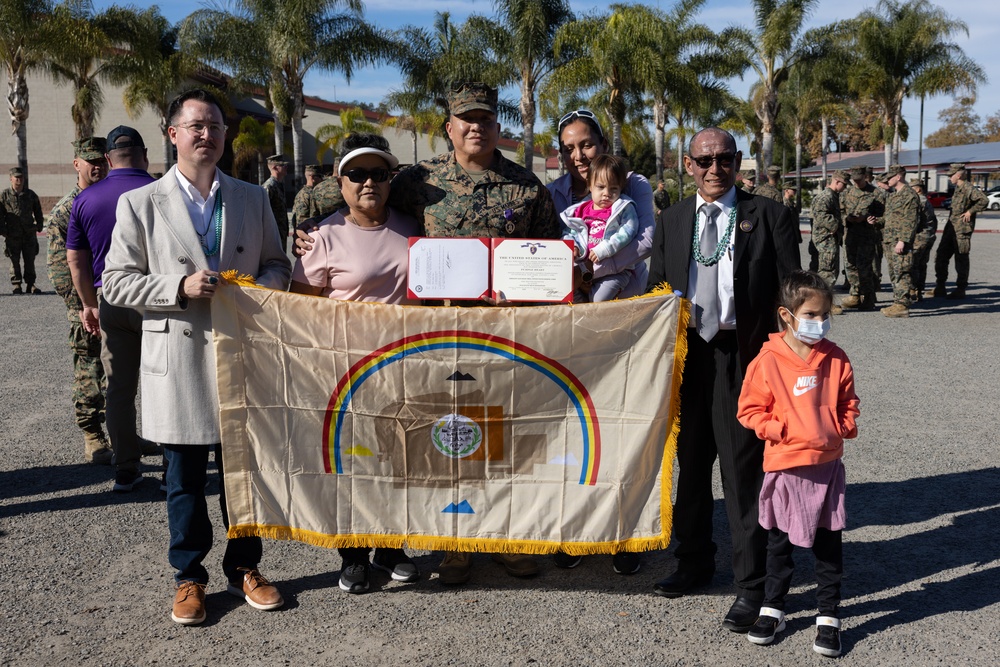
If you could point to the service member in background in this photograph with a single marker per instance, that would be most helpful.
(923, 241)
(275, 187)
(769, 188)
(902, 214)
(303, 198)
(828, 231)
(957, 237)
(20, 221)
(88, 373)
(862, 210)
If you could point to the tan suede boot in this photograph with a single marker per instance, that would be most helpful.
(851, 301)
(96, 449)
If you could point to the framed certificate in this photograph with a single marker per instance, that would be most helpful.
(532, 270)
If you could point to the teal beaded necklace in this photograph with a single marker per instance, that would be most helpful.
(211, 251)
(719, 248)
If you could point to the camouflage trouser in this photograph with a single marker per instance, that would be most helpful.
(828, 260)
(860, 246)
(22, 251)
(959, 246)
(922, 247)
(899, 266)
(88, 379)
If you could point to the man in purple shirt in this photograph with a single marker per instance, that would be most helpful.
(88, 238)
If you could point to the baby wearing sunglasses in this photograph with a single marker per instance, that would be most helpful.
(602, 226)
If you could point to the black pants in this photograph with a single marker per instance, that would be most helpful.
(709, 395)
(829, 555)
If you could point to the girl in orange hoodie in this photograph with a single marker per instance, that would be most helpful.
(798, 396)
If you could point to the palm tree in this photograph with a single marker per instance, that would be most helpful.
(417, 117)
(616, 54)
(520, 42)
(252, 144)
(274, 44)
(906, 50)
(330, 136)
(93, 47)
(771, 49)
(25, 35)
(156, 73)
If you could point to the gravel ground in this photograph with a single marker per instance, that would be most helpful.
(86, 581)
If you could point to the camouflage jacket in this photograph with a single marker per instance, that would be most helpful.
(276, 197)
(966, 198)
(902, 213)
(927, 227)
(826, 217)
(300, 207)
(324, 199)
(508, 201)
(22, 213)
(661, 200)
(55, 229)
(769, 191)
(862, 202)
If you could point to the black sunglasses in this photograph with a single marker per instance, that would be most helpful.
(725, 160)
(378, 175)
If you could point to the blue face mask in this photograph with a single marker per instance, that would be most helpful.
(811, 332)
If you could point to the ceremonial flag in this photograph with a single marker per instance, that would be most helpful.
(523, 429)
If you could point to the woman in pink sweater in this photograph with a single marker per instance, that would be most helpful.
(798, 396)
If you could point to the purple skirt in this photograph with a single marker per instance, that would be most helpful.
(799, 500)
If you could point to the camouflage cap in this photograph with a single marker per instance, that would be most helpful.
(774, 171)
(790, 186)
(955, 167)
(314, 169)
(16, 171)
(748, 175)
(842, 176)
(884, 177)
(469, 96)
(90, 148)
(277, 160)
(896, 169)
(858, 173)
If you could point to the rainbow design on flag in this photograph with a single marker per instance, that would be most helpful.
(470, 340)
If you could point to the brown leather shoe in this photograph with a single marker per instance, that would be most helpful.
(456, 568)
(189, 603)
(518, 565)
(256, 590)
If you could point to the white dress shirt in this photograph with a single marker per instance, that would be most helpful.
(200, 210)
(727, 306)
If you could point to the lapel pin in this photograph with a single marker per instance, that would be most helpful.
(746, 225)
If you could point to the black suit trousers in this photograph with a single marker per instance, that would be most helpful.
(709, 395)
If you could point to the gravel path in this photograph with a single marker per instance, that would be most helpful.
(85, 581)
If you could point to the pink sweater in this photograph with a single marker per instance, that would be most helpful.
(803, 409)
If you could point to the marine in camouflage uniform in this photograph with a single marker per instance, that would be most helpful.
(661, 198)
(22, 220)
(902, 215)
(300, 206)
(883, 194)
(957, 237)
(923, 242)
(324, 199)
(828, 227)
(861, 210)
(275, 187)
(474, 191)
(88, 372)
(770, 189)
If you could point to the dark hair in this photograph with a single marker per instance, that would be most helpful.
(594, 126)
(799, 286)
(198, 94)
(609, 167)
(357, 140)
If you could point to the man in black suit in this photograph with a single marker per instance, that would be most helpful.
(727, 251)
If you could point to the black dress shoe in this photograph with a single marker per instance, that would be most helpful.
(742, 615)
(684, 580)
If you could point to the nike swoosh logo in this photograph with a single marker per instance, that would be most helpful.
(798, 391)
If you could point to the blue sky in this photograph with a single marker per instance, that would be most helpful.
(371, 85)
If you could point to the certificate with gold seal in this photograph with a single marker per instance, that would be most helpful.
(532, 270)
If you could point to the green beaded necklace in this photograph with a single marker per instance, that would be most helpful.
(719, 248)
(211, 251)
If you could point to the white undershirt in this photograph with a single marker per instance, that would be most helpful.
(727, 304)
(200, 210)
